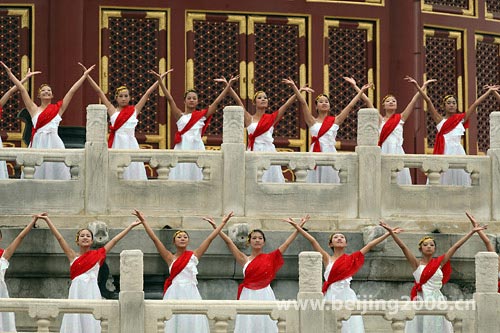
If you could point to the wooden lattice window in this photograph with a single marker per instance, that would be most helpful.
(134, 42)
(15, 30)
(492, 9)
(349, 51)
(444, 62)
(458, 7)
(487, 72)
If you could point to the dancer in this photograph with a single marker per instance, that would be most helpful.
(7, 319)
(182, 283)
(84, 268)
(4, 174)
(451, 128)
(46, 119)
(260, 128)
(391, 127)
(124, 119)
(191, 126)
(323, 129)
(339, 270)
(430, 275)
(259, 270)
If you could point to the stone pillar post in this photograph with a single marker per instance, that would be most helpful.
(311, 319)
(96, 160)
(233, 150)
(131, 293)
(486, 295)
(369, 191)
(494, 154)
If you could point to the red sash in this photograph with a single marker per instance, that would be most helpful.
(345, 266)
(499, 286)
(1, 110)
(325, 126)
(264, 124)
(448, 125)
(261, 271)
(389, 126)
(195, 117)
(177, 267)
(45, 117)
(429, 270)
(1, 252)
(86, 261)
(121, 119)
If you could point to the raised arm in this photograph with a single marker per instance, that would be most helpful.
(365, 249)
(173, 106)
(62, 243)
(460, 242)
(284, 107)
(239, 256)
(14, 88)
(213, 107)
(324, 255)
(9, 251)
(206, 243)
(166, 255)
(406, 251)
(306, 111)
(102, 96)
(71, 92)
(482, 235)
(411, 106)
(109, 245)
(364, 98)
(339, 119)
(28, 102)
(139, 105)
(435, 115)
(478, 101)
(283, 247)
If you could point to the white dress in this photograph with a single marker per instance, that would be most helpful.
(185, 286)
(341, 290)
(324, 174)
(265, 142)
(255, 323)
(394, 145)
(431, 290)
(453, 146)
(191, 140)
(47, 138)
(84, 286)
(7, 319)
(4, 174)
(125, 139)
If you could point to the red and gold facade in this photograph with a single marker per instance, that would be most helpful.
(312, 41)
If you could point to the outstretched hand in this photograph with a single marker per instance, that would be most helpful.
(29, 73)
(391, 230)
(350, 80)
(232, 79)
(303, 221)
(365, 87)
(162, 75)
(210, 220)
(139, 215)
(472, 219)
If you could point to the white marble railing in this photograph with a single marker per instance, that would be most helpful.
(306, 314)
(232, 179)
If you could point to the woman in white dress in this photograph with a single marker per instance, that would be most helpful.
(84, 269)
(124, 119)
(391, 127)
(4, 174)
(191, 126)
(430, 275)
(259, 270)
(323, 128)
(7, 319)
(182, 282)
(46, 119)
(450, 130)
(339, 269)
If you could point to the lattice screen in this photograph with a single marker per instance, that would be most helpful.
(134, 42)
(493, 9)
(349, 52)
(444, 62)
(487, 71)
(15, 29)
(459, 7)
